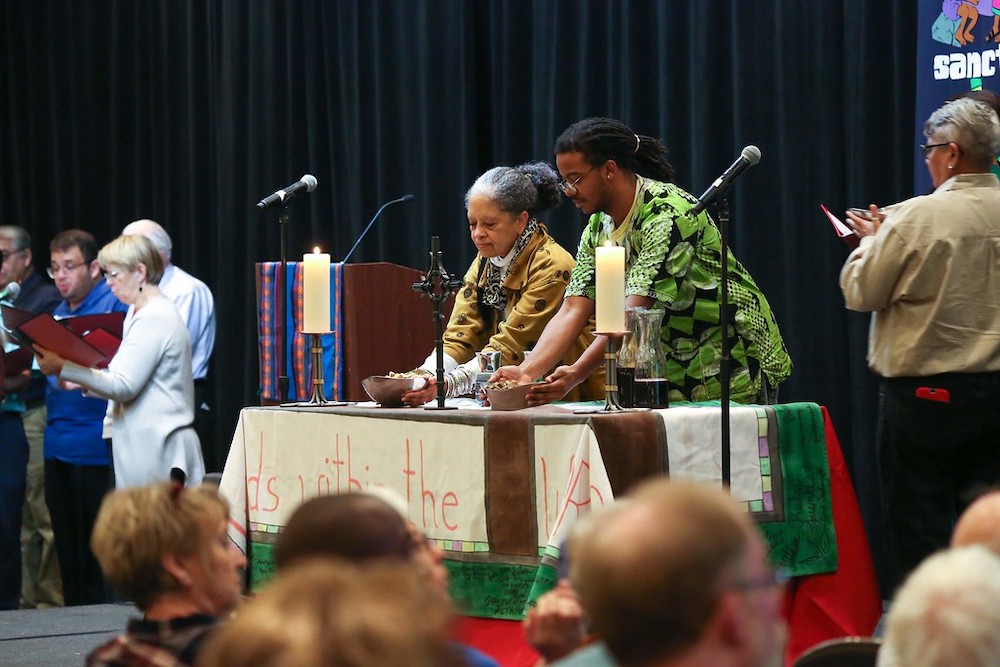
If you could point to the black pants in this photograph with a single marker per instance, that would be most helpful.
(939, 445)
(13, 477)
(204, 425)
(74, 494)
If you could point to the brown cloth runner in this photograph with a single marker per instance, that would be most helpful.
(510, 498)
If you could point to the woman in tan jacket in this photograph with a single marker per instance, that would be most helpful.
(514, 285)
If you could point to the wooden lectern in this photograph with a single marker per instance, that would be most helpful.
(383, 326)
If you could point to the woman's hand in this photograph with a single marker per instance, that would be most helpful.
(556, 386)
(48, 361)
(428, 392)
(865, 224)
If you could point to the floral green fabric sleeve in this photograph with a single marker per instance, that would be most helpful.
(582, 281)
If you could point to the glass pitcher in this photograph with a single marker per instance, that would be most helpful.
(651, 385)
(626, 361)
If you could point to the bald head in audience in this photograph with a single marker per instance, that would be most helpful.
(947, 612)
(353, 526)
(676, 574)
(980, 523)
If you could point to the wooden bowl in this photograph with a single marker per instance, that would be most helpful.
(388, 391)
(508, 399)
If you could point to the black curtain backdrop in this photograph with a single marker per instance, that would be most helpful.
(190, 112)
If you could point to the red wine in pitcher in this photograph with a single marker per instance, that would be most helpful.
(626, 391)
(651, 393)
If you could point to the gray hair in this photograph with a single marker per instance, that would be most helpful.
(947, 614)
(972, 125)
(531, 187)
(18, 236)
(152, 231)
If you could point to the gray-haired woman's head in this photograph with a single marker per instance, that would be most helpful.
(972, 125)
(531, 187)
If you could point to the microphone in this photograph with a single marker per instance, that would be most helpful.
(307, 183)
(10, 292)
(403, 199)
(748, 158)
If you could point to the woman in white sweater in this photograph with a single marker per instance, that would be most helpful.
(149, 378)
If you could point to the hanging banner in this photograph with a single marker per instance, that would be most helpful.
(958, 49)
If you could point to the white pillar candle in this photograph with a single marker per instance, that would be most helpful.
(610, 268)
(316, 292)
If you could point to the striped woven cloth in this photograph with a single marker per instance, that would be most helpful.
(298, 360)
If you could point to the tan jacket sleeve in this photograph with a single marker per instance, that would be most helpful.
(466, 333)
(535, 288)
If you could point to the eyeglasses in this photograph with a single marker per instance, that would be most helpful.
(773, 579)
(111, 275)
(927, 148)
(55, 269)
(9, 253)
(569, 187)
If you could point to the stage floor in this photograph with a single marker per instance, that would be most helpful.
(59, 636)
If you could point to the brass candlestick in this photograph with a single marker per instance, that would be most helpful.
(318, 399)
(611, 402)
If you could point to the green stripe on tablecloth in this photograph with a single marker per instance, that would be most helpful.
(805, 542)
(497, 590)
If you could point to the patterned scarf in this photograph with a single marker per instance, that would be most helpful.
(492, 294)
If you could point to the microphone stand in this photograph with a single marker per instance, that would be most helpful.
(437, 285)
(722, 215)
(283, 301)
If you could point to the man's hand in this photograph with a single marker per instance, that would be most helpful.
(557, 625)
(511, 373)
(556, 386)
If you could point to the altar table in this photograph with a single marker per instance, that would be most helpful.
(499, 491)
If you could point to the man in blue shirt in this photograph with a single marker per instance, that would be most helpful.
(77, 460)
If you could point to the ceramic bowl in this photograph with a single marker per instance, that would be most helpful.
(388, 391)
(508, 399)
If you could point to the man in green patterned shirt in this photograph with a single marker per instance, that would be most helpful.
(673, 261)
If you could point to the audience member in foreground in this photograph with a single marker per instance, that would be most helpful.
(363, 528)
(979, 524)
(557, 625)
(165, 547)
(330, 613)
(947, 614)
(676, 574)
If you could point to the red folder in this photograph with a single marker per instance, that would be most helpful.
(82, 324)
(17, 361)
(87, 340)
(44, 331)
(107, 343)
(842, 230)
(14, 317)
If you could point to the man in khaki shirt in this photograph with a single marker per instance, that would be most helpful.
(929, 271)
